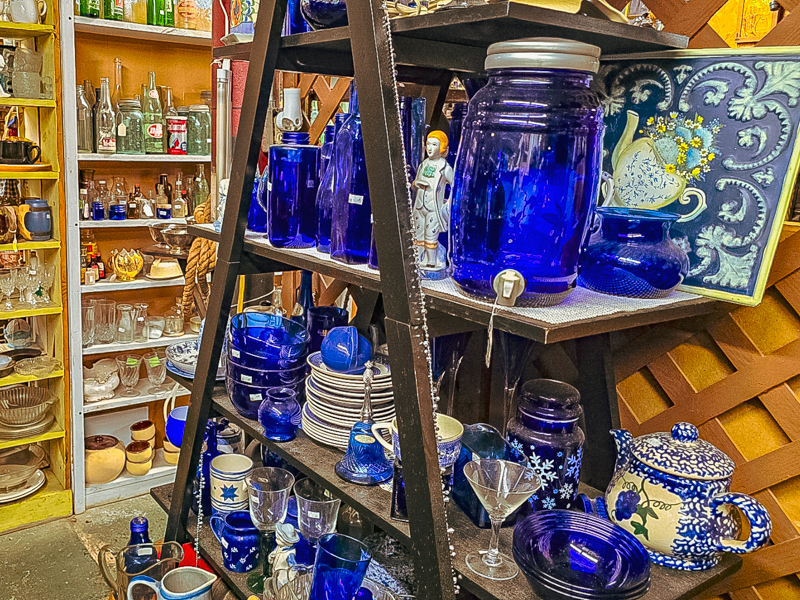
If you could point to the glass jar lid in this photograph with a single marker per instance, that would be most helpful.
(198, 108)
(130, 104)
(555, 401)
(543, 53)
(682, 453)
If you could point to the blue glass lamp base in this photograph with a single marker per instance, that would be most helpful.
(365, 461)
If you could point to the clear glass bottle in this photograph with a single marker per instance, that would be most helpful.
(130, 128)
(117, 95)
(173, 325)
(140, 333)
(179, 207)
(135, 11)
(103, 198)
(164, 181)
(125, 320)
(147, 207)
(201, 190)
(163, 205)
(88, 91)
(153, 119)
(105, 122)
(277, 298)
(198, 130)
(119, 206)
(169, 106)
(85, 207)
(85, 123)
(133, 204)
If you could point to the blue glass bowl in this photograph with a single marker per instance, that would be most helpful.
(265, 378)
(176, 423)
(253, 361)
(268, 336)
(247, 398)
(570, 555)
(343, 349)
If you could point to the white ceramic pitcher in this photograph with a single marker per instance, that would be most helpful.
(183, 583)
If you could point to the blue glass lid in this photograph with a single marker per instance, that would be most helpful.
(681, 452)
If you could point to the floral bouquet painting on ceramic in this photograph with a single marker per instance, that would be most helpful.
(711, 136)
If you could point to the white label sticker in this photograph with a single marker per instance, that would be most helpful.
(312, 514)
(235, 352)
(147, 551)
(246, 379)
(310, 183)
(269, 186)
(255, 397)
(355, 199)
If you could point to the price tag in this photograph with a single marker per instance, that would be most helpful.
(355, 199)
(246, 379)
(235, 352)
(146, 551)
(121, 330)
(131, 362)
(154, 93)
(255, 398)
(312, 514)
(122, 131)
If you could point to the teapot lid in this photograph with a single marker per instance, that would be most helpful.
(682, 453)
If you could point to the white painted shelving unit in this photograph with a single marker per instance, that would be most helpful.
(140, 283)
(145, 158)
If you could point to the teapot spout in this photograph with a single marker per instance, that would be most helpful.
(623, 438)
(631, 123)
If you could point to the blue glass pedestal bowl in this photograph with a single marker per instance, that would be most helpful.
(324, 14)
(570, 555)
(632, 255)
(268, 336)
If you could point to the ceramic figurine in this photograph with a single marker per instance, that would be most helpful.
(432, 208)
(671, 491)
(283, 557)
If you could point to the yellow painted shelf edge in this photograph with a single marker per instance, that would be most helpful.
(50, 502)
(30, 102)
(30, 246)
(15, 379)
(56, 432)
(8, 29)
(28, 174)
(31, 312)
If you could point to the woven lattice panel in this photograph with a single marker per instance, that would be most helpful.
(736, 375)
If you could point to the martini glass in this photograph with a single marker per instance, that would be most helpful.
(502, 487)
(269, 489)
(516, 352)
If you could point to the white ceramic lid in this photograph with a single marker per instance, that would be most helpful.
(543, 53)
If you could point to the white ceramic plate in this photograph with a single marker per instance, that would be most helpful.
(352, 387)
(342, 419)
(380, 371)
(325, 386)
(343, 399)
(34, 484)
(351, 409)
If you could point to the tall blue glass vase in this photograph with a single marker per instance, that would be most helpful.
(257, 216)
(293, 173)
(294, 22)
(327, 188)
(352, 211)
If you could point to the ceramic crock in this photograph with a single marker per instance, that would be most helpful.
(671, 491)
(104, 458)
(35, 220)
(239, 540)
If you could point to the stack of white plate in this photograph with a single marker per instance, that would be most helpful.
(333, 401)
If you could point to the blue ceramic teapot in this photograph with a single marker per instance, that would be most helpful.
(671, 491)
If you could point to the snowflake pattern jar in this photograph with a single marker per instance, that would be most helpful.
(547, 430)
(671, 491)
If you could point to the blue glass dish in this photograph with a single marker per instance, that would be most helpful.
(247, 399)
(279, 414)
(271, 378)
(268, 335)
(570, 555)
(344, 349)
(324, 14)
(292, 192)
(260, 363)
(526, 179)
(352, 211)
(632, 254)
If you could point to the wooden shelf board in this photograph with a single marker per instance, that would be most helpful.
(27, 102)
(55, 432)
(50, 502)
(120, 348)
(14, 379)
(128, 486)
(53, 309)
(108, 224)
(44, 174)
(24, 30)
(149, 33)
(140, 283)
(127, 401)
(49, 244)
(145, 158)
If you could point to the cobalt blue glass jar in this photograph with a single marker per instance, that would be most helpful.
(631, 254)
(292, 192)
(547, 429)
(327, 187)
(351, 227)
(527, 173)
(279, 414)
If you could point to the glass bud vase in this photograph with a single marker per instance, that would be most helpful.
(327, 185)
(352, 210)
(548, 431)
(292, 192)
(527, 174)
(631, 254)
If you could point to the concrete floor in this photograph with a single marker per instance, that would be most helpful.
(58, 560)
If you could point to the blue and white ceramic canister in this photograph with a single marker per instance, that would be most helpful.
(228, 488)
(671, 491)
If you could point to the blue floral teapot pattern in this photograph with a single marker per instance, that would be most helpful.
(671, 491)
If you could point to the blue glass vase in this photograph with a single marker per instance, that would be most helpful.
(632, 254)
(412, 118)
(279, 414)
(293, 172)
(327, 188)
(527, 173)
(257, 215)
(456, 126)
(548, 431)
(324, 14)
(294, 22)
(352, 211)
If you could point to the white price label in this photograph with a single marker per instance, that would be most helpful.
(235, 352)
(312, 514)
(255, 397)
(246, 379)
(147, 551)
(122, 131)
(355, 199)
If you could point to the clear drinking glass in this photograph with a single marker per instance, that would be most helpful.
(105, 319)
(156, 365)
(140, 329)
(47, 276)
(125, 320)
(8, 281)
(129, 366)
(87, 323)
(155, 327)
(501, 486)
(317, 510)
(269, 489)
(22, 284)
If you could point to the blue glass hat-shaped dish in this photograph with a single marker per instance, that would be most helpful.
(268, 335)
(345, 350)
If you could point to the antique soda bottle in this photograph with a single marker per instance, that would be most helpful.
(85, 123)
(144, 555)
(105, 121)
(90, 8)
(153, 119)
(117, 96)
(112, 10)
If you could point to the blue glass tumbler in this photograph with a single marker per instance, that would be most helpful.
(257, 215)
(527, 173)
(279, 414)
(327, 189)
(321, 319)
(339, 568)
(292, 192)
(352, 211)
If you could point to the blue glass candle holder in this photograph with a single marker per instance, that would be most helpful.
(292, 192)
(339, 568)
(279, 414)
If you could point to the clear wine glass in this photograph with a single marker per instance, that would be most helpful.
(501, 486)
(8, 281)
(448, 351)
(156, 365)
(317, 510)
(129, 366)
(47, 276)
(22, 285)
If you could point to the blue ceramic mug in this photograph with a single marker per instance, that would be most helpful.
(239, 540)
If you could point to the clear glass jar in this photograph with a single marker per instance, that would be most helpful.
(528, 173)
(125, 321)
(141, 331)
(130, 128)
(198, 130)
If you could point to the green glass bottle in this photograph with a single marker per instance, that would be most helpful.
(165, 13)
(90, 8)
(152, 12)
(112, 10)
(153, 119)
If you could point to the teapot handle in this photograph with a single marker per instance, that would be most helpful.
(143, 580)
(754, 511)
(104, 569)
